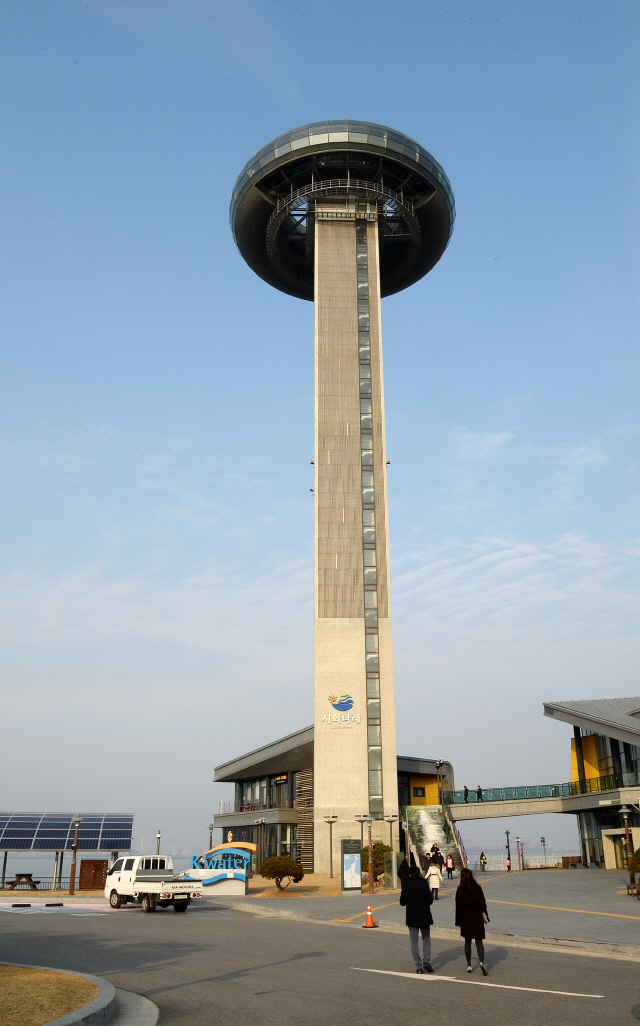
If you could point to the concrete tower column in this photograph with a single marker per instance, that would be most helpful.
(355, 769)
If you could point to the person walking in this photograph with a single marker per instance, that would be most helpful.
(449, 866)
(471, 916)
(416, 898)
(479, 797)
(403, 872)
(508, 864)
(433, 876)
(483, 862)
(466, 793)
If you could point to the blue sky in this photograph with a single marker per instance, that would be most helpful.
(156, 397)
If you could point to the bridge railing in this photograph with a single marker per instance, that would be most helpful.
(567, 790)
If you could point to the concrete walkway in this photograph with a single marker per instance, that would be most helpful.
(584, 906)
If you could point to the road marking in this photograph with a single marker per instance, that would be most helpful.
(556, 908)
(359, 914)
(475, 983)
(49, 912)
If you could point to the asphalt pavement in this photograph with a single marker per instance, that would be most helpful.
(215, 965)
(575, 905)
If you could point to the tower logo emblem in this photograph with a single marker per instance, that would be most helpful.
(342, 704)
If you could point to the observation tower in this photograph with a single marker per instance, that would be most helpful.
(344, 213)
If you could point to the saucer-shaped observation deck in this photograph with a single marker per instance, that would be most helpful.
(371, 167)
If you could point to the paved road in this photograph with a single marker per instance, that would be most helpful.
(578, 905)
(216, 966)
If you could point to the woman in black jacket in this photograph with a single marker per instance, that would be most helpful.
(471, 915)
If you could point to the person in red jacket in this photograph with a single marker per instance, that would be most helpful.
(471, 916)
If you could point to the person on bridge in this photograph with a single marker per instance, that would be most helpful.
(471, 915)
(433, 876)
(416, 897)
(450, 866)
(479, 794)
(466, 793)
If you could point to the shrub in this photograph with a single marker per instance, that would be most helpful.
(634, 862)
(377, 855)
(280, 868)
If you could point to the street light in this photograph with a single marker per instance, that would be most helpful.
(390, 820)
(624, 812)
(330, 820)
(77, 820)
(158, 843)
(210, 836)
(439, 764)
(507, 832)
(543, 842)
(518, 851)
(260, 839)
(407, 844)
(361, 820)
(370, 861)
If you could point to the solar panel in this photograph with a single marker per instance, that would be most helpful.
(26, 831)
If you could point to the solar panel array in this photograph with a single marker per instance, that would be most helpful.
(54, 831)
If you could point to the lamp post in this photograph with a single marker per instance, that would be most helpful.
(518, 851)
(390, 820)
(330, 820)
(543, 842)
(77, 820)
(210, 836)
(260, 842)
(370, 861)
(361, 820)
(407, 849)
(624, 812)
(439, 779)
(507, 833)
(158, 843)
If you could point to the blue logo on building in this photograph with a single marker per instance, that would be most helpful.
(342, 704)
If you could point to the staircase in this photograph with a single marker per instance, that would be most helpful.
(429, 825)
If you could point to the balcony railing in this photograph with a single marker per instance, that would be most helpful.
(257, 806)
(608, 782)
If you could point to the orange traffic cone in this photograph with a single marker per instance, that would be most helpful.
(369, 925)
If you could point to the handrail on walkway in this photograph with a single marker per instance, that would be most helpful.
(608, 782)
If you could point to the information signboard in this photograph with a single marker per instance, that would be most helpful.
(350, 864)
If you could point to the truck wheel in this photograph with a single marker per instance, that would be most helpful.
(115, 900)
(147, 904)
(180, 906)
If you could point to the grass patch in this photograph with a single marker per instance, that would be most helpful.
(34, 997)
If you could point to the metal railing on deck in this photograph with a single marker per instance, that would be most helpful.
(608, 782)
(268, 803)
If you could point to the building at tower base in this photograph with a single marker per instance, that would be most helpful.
(274, 801)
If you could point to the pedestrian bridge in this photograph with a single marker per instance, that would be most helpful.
(572, 797)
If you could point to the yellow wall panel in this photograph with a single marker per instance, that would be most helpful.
(590, 755)
(430, 785)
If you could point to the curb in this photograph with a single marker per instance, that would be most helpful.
(98, 1012)
(566, 946)
(134, 1010)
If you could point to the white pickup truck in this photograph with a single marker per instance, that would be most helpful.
(149, 880)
